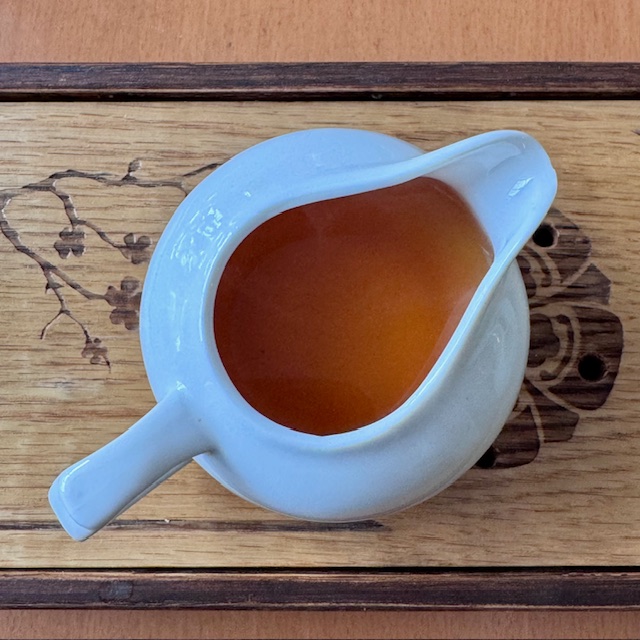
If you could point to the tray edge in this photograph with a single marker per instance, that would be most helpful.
(323, 81)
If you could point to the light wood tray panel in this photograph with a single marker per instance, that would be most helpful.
(576, 503)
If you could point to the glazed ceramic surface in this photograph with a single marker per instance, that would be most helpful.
(407, 456)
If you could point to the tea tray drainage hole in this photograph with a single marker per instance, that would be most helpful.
(591, 367)
(488, 459)
(545, 235)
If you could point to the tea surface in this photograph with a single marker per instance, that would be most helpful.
(330, 315)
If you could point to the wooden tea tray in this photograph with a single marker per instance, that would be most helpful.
(94, 160)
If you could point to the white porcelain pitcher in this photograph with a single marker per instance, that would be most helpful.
(409, 455)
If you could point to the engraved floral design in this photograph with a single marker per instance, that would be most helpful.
(544, 344)
(576, 343)
(126, 302)
(136, 248)
(71, 241)
(96, 352)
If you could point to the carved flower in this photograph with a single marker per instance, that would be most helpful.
(95, 351)
(71, 242)
(136, 248)
(576, 343)
(545, 344)
(126, 302)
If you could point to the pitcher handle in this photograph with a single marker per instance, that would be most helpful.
(92, 492)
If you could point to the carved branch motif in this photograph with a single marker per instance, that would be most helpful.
(134, 247)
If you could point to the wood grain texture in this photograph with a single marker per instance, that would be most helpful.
(307, 30)
(343, 625)
(329, 81)
(209, 625)
(573, 505)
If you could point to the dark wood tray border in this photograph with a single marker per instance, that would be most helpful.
(349, 588)
(329, 81)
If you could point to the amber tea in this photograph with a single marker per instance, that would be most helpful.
(330, 315)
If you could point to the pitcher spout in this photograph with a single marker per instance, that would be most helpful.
(505, 176)
(508, 180)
